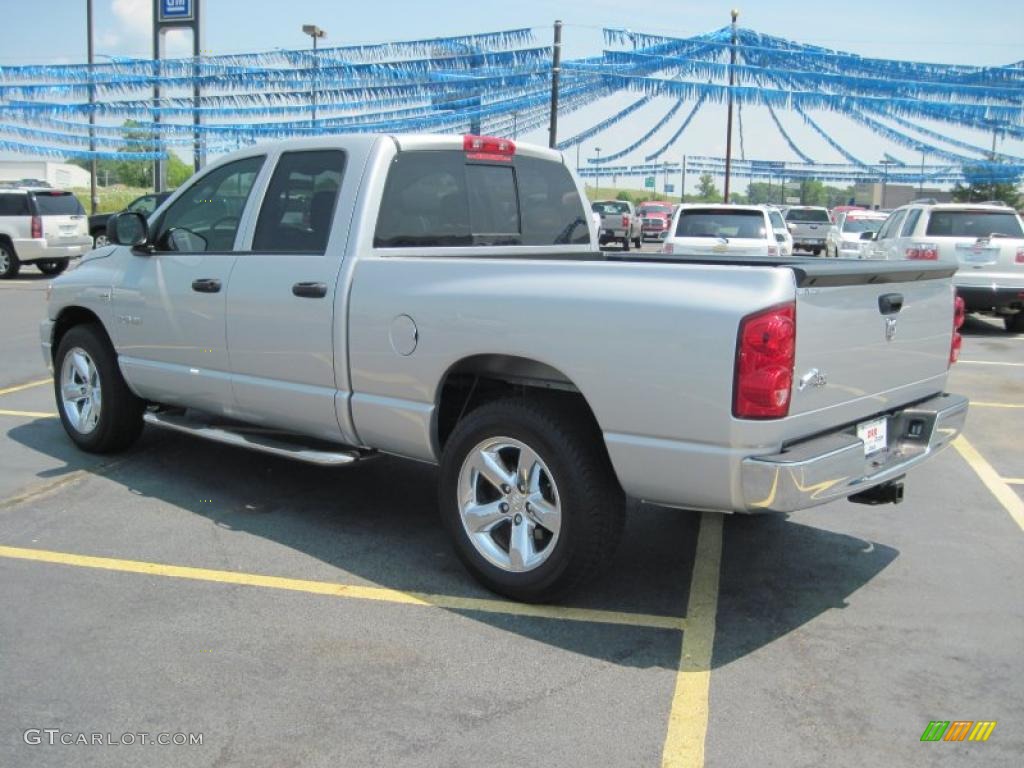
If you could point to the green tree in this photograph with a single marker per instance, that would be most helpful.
(979, 188)
(136, 173)
(707, 192)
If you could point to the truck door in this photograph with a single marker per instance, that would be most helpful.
(169, 305)
(280, 306)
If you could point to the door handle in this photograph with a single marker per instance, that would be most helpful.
(310, 290)
(206, 285)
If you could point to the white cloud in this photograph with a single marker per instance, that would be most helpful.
(131, 32)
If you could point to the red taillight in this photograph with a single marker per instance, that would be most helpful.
(625, 219)
(488, 148)
(923, 252)
(1020, 255)
(959, 313)
(37, 227)
(765, 351)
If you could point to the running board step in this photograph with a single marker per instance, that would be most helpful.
(256, 440)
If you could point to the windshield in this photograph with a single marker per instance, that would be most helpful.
(612, 207)
(974, 224)
(813, 215)
(862, 225)
(748, 225)
(656, 209)
(58, 204)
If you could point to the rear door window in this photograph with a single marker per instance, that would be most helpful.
(58, 204)
(298, 208)
(912, 218)
(14, 205)
(776, 219)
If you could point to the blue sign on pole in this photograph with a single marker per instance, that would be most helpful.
(177, 10)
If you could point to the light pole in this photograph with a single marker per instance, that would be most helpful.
(885, 162)
(728, 128)
(920, 182)
(597, 162)
(316, 33)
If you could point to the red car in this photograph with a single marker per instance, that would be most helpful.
(655, 218)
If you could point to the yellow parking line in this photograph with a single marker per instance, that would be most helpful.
(688, 717)
(356, 592)
(976, 404)
(29, 385)
(1011, 502)
(29, 414)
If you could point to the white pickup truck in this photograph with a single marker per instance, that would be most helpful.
(442, 298)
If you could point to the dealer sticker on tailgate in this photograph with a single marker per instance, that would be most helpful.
(873, 434)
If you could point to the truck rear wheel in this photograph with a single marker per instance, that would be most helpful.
(98, 411)
(1014, 323)
(530, 498)
(625, 243)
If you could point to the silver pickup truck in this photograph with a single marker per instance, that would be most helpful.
(442, 298)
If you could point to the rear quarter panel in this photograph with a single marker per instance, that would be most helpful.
(650, 347)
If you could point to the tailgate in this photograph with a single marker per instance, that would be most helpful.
(871, 332)
(60, 228)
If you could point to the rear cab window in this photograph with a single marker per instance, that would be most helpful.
(811, 215)
(710, 222)
(442, 198)
(977, 223)
(58, 204)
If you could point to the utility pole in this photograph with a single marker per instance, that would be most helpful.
(93, 197)
(920, 183)
(598, 164)
(682, 182)
(556, 68)
(728, 130)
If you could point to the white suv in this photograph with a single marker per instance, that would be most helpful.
(45, 227)
(987, 240)
(741, 230)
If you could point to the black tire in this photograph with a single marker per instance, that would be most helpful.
(625, 243)
(99, 238)
(52, 267)
(592, 503)
(816, 251)
(10, 265)
(1014, 323)
(120, 413)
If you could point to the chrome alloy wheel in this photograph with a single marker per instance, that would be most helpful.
(5, 261)
(80, 390)
(509, 504)
(100, 240)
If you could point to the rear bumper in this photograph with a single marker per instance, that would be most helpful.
(38, 249)
(833, 466)
(992, 297)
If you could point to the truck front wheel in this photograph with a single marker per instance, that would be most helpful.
(99, 413)
(530, 498)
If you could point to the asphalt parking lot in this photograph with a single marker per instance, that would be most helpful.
(290, 615)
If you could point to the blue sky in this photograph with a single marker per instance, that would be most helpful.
(978, 32)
